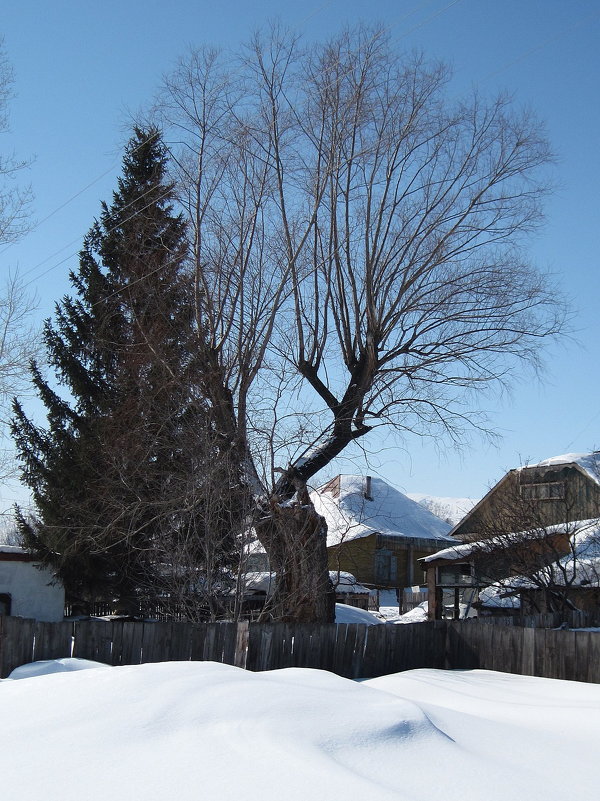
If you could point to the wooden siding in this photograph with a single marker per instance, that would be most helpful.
(358, 557)
(537, 601)
(355, 556)
(581, 501)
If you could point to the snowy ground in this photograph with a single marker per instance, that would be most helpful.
(192, 731)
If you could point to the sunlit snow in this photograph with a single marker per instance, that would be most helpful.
(194, 730)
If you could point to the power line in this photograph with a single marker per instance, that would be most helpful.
(541, 46)
(62, 206)
(400, 19)
(66, 203)
(109, 231)
(425, 21)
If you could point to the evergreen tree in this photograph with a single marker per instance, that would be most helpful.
(117, 472)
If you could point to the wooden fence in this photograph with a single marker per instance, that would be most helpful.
(575, 619)
(410, 600)
(350, 650)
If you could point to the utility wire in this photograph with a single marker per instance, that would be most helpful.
(541, 46)
(410, 13)
(117, 162)
(109, 231)
(66, 203)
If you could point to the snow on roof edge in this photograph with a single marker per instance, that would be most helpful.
(467, 548)
(588, 462)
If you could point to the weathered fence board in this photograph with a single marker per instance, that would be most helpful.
(197, 637)
(52, 640)
(16, 643)
(131, 651)
(93, 640)
(228, 640)
(583, 653)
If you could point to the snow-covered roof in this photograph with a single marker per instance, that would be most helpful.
(495, 597)
(588, 462)
(259, 581)
(467, 549)
(580, 567)
(455, 552)
(14, 553)
(263, 581)
(346, 582)
(386, 510)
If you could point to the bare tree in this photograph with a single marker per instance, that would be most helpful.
(19, 343)
(359, 233)
(14, 200)
(19, 337)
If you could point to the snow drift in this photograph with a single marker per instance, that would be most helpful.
(190, 731)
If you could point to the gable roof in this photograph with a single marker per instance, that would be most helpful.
(587, 463)
(356, 506)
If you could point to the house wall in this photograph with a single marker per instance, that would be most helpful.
(506, 502)
(363, 556)
(356, 557)
(31, 591)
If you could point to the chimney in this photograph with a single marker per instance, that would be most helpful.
(368, 495)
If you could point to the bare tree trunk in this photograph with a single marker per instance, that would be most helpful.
(295, 539)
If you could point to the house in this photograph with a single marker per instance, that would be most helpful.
(557, 490)
(523, 524)
(457, 575)
(377, 533)
(27, 589)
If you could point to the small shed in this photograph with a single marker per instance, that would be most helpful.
(259, 586)
(27, 589)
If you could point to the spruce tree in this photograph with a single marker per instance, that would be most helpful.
(116, 471)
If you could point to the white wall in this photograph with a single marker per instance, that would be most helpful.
(32, 592)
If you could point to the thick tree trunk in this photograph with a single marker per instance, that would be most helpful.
(295, 539)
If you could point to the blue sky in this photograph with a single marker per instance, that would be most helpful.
(83, 69)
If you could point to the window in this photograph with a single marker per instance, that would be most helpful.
(455, 575)
(548, 491)
(385, 566)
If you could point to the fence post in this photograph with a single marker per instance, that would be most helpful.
(241, 644)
